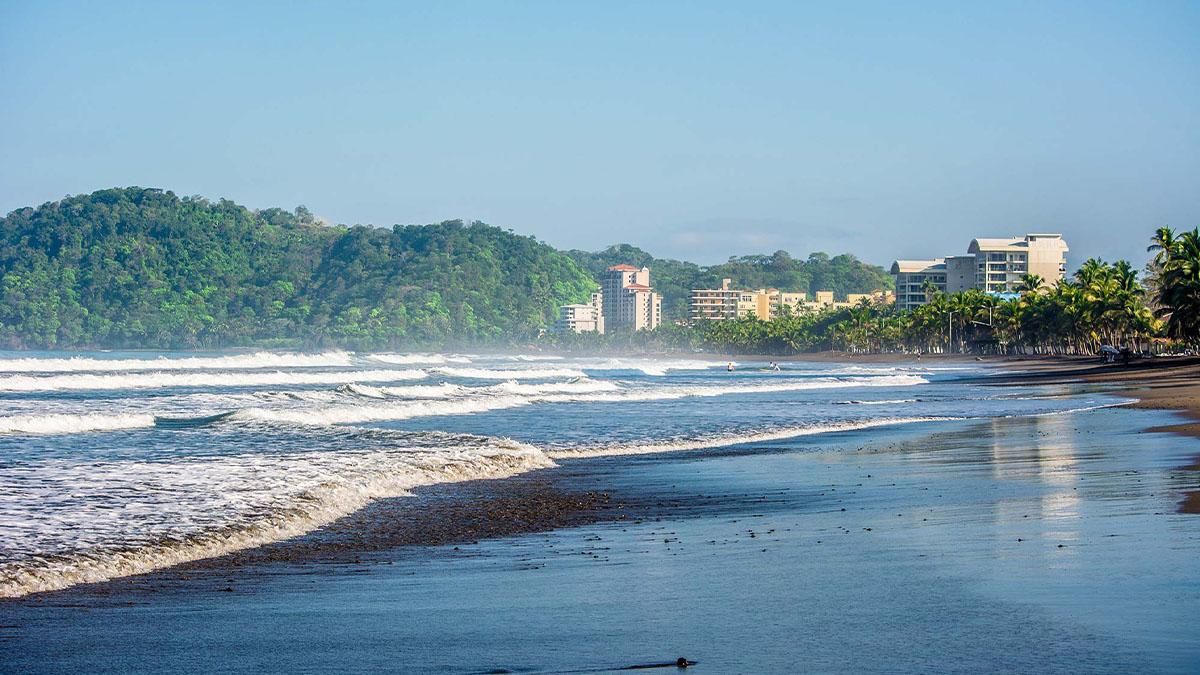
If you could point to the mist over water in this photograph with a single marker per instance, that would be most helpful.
(114, 464)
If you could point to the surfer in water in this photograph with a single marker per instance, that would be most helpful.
(729, 367)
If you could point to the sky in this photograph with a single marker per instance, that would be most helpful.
(694, 130)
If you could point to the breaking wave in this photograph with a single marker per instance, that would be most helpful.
(653, 367)
(160, 379)
(208, 507)
(580, 385)
(735, 438)
(515, 374)
(72, 424)
(242, 361)
(513, 395)
(417, 359)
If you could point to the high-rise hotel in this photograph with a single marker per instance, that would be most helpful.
(625, 301)
(629, 301)
(994, 266)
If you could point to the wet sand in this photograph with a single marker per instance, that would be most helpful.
(1044, 544)
(1159, 384)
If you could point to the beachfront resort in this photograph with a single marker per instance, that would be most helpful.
(994, 266)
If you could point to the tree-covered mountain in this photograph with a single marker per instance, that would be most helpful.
(841, 274)
(142, 267)
(138, 267)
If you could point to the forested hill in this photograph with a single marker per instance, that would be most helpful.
(841, 274)
(144, 268)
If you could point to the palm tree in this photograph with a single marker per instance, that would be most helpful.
(928, 289)
(1030, 283)
(1178, 292)
(1161, 243)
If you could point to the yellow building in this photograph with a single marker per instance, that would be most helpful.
(729, 303)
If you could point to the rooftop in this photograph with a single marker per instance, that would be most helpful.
(623, 268)
(986, 244)
(906, 266)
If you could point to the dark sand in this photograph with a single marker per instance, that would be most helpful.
(1158, 384)
(1036, 545)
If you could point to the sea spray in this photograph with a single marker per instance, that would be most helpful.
(241, 361)
(157, 380)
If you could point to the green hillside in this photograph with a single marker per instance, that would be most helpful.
(144, 268)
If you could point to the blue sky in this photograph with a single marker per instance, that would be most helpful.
(695, 130)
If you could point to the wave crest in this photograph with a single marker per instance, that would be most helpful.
(241, 361)
(157, 380)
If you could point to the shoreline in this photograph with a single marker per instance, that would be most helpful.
(549, 499)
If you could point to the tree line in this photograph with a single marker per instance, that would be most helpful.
(1103, 304)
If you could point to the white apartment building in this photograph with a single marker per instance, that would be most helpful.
(992, 265)
(1000, 263)
(584, 318)
(628, 301)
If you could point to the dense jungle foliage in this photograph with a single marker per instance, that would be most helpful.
(675, 279)
(144, 268)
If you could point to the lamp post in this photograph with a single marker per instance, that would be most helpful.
(950, 332)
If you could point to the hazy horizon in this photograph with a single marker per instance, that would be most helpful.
(693, 131)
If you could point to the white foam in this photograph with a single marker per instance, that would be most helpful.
(400, 410)
(520, 396)
(71, 424)
(407, 359)
(443, 390)
(186, 510)
(236, 362)
(509, 374)
(653, 367)
(362, 390)
(161, 379)
(736, 438)
(577, 386)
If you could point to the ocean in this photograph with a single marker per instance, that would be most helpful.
(120, 463)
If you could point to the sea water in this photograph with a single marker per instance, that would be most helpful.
(114, 464)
